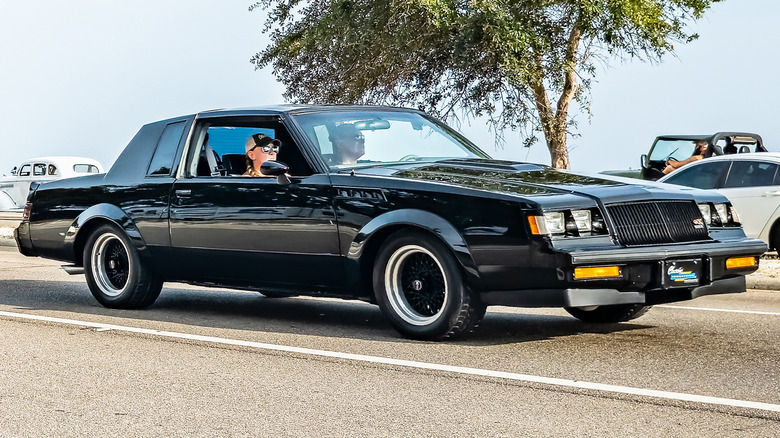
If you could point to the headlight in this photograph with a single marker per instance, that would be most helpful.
(555, 222)
(723, 214)
(582, 219)
(734, 216)
(705, 213)
(568, 223)
(719, 215)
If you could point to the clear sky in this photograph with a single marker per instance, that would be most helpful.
(80, 77)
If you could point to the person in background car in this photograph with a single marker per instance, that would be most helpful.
(259, 149)
(698, 153)
(348, 144)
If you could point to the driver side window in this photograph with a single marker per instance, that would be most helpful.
(220, 148)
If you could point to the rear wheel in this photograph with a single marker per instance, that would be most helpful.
(774, 238)
(419, 287)
(116, 275)
(608, 314)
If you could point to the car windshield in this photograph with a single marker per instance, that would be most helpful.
(349, 139)
(677, 149)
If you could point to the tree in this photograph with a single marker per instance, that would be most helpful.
(519, 63)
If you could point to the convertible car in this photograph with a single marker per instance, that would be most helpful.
(385, 205)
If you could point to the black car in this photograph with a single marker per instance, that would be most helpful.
(415, 219)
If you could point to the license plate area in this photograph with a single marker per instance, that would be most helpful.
(682, 273)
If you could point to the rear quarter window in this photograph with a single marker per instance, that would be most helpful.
(751, 174)
(85, 168)
(162, 160)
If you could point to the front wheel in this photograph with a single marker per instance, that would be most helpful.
(116, 275)
(608, 314)
(419, 287)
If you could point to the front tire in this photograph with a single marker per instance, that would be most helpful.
(608, 314)
(420, 289)
(117, 277)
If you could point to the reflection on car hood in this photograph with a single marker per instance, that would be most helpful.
(528, 180)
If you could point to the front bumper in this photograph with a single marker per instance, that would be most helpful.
(642, 275)
(605, 297)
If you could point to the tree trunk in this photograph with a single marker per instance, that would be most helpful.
(554, 122)
(559, 154)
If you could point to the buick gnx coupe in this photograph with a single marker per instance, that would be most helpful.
(385, 205)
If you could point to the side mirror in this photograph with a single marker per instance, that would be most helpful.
(277, 169)
(14, 171)
(643, 161)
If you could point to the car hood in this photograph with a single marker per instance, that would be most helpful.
(531, 180)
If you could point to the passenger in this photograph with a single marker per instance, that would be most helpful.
(259, 149)
(698, 153)
(348, 144)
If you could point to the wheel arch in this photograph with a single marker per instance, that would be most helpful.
(774, 235)
(366, 243)
(93, 217)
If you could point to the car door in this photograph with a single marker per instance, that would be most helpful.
(701, 175)
(254, 231)
(750, 186)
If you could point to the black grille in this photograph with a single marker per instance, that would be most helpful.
(657, 222)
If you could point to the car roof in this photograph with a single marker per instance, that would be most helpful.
(762, 156)
(298, 109)
(62, 160)
(738, 137)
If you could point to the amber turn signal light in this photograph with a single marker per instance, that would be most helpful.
(741, 262)
(597, 272)
(537, 225)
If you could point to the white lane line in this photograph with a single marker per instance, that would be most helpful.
(414, 364)
(754, 312)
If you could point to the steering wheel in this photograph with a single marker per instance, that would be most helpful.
(668, 157)
(410, 157)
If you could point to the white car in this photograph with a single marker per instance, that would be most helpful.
(14, 188)
(751, 181)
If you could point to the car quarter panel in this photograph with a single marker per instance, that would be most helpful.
(124, 195)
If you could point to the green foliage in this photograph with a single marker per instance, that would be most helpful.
(497, 58)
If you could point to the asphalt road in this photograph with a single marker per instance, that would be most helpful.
(202, 362)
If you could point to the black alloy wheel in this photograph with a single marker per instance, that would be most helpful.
(419, 286)
(116, 275)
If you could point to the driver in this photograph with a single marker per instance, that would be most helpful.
(348, 144)
(698, 153)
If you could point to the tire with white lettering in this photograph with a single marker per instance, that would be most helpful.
(420, 288)
(117, 277)
(608, 314)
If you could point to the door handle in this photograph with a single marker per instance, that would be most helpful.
(183, 193)
(773, 193)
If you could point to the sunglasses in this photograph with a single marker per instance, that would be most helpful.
(267, 148)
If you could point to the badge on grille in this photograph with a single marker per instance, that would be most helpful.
(698, 223)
